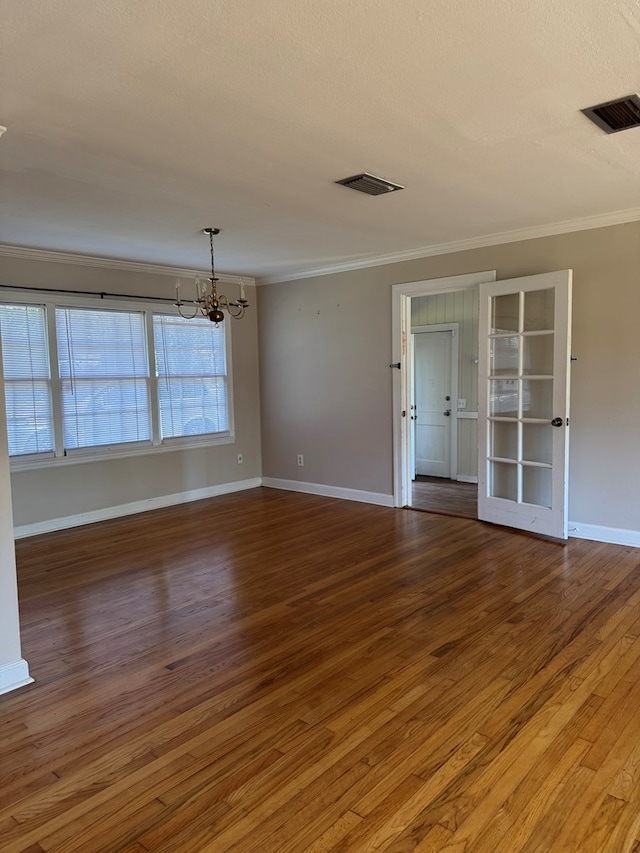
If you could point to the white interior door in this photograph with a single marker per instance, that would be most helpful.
(433, 406)
(523, 402)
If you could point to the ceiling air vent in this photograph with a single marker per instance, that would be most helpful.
(369, 184)
(616, 115)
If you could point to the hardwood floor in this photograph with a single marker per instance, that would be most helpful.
(449, 497)
(322, 675)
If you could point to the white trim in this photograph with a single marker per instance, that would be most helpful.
(400, 327)
(468, 416)
(134, 507)
(14, 675)
(118, 451)
(329, 491)
(616, 217)
(100, 453)
(466, 478)
(603, 220)
(598, 533)
(114, 264)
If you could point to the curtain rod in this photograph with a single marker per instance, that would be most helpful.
(101, 293)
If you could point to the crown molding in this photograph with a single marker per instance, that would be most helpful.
(618, 217)
(113, 264)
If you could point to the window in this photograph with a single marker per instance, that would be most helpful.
(110, 381)
(27, 379)
(104, 377)
(191, 367)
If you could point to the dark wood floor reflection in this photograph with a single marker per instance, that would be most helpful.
(272, 672)
(449, 497)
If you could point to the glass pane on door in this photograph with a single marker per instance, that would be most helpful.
(537, 443)
(503, 397)
(505, 314)
(537, 399)
(537, 355)
(536, 486)
(524, 360)
(504, 481)
(538, 310)
(504, 440)
(505, 356)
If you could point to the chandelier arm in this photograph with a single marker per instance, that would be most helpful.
(236, 311)
(182, 314)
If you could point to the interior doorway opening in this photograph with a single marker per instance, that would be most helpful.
(421, 310)
(444, 391)
(522, 410)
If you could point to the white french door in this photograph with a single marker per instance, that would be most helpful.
(523, 402)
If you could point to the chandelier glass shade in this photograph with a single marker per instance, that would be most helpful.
(208, 302)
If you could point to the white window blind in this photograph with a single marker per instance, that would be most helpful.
(27, 379)
(191, 367)
(104, 375)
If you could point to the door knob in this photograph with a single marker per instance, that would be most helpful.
(556, 422)
(447, 413)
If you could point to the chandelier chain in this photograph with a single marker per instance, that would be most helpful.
(213, 269)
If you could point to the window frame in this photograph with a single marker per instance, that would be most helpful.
(148, 308)
(156, 376)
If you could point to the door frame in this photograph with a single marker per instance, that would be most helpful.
(454, 328)
(401, 295)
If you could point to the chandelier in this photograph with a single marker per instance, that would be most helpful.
(208, 301)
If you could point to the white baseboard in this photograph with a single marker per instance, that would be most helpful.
(14, 675)
(466, 478)
(134, 507)
(598, 533)
(329, 491)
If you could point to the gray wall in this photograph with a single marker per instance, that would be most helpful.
(326, 384)
(71, 489)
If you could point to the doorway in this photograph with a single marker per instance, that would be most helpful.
(444, 350)
(434, 413)
(423, 309)
(522, 411)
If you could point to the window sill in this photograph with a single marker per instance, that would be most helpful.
(113, 452)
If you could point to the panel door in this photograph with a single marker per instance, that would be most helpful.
(432, 425)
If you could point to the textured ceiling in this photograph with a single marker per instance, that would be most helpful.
(131, 125)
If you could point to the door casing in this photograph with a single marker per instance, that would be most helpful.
(401, 295)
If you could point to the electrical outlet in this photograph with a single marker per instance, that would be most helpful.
(300, 460)
(240, 459)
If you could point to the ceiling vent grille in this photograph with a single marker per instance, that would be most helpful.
(369, 184)
(616, 115)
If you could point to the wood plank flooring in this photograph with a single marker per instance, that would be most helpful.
(448, 497)
(280, 672)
